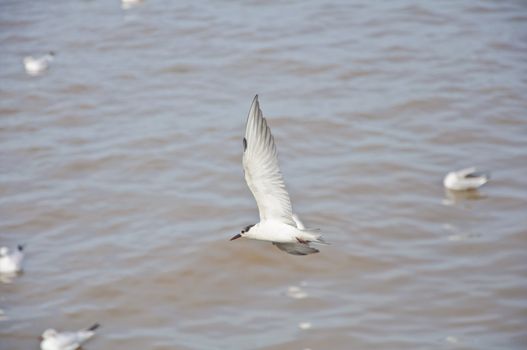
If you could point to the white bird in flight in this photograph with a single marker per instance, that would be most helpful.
(11, 263)
(35, 66)
(53, 340)
(277, 223)
(465, 179)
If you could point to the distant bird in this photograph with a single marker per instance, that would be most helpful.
(35, 66)
(465, 179)
(127, 4)
(53, 340)
(262, 174)
(11, 263)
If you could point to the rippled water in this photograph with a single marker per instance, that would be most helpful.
(120, 168)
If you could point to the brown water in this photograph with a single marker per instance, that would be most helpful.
(120, 168)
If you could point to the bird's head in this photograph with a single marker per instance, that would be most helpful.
(4, 251)
(243, 232)
(48, 333)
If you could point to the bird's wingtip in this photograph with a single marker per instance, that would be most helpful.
(255, 101)
(94, 327)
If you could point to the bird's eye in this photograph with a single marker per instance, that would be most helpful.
(243, 231)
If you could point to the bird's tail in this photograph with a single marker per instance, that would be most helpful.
(50, 57)
(321, 240)
(485, 178)
(315, 236)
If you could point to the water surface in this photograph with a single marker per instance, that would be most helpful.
(120, 168)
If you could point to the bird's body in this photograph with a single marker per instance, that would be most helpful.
(53, 340)
(35, 66)
(262, 174)
(465, 179)
(11, 263)
(278, 232)
(297, 248)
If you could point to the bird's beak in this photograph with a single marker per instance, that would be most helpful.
(236, 237)
(41, 338)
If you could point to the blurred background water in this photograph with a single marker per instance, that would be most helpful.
(120, 168)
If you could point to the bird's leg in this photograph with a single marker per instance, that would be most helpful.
(301, 241)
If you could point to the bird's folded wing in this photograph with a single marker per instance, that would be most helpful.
(466, 172)
(66, 339)
(262, 173)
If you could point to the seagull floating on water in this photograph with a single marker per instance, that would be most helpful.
(465, 179)
(11, 263)
(53, 340)
(262, 174)
(35, 66)
(128, 4)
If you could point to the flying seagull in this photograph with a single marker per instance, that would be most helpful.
(53, 340)
(262, 174)
(465, 179)
(11, 263)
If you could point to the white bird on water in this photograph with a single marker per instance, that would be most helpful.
(262, 174)
(128, 4)
(35, 66)
(11, 263)
(465, 179)
(53, 340)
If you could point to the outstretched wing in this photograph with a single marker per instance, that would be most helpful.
(296, 248)
(262, 173)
